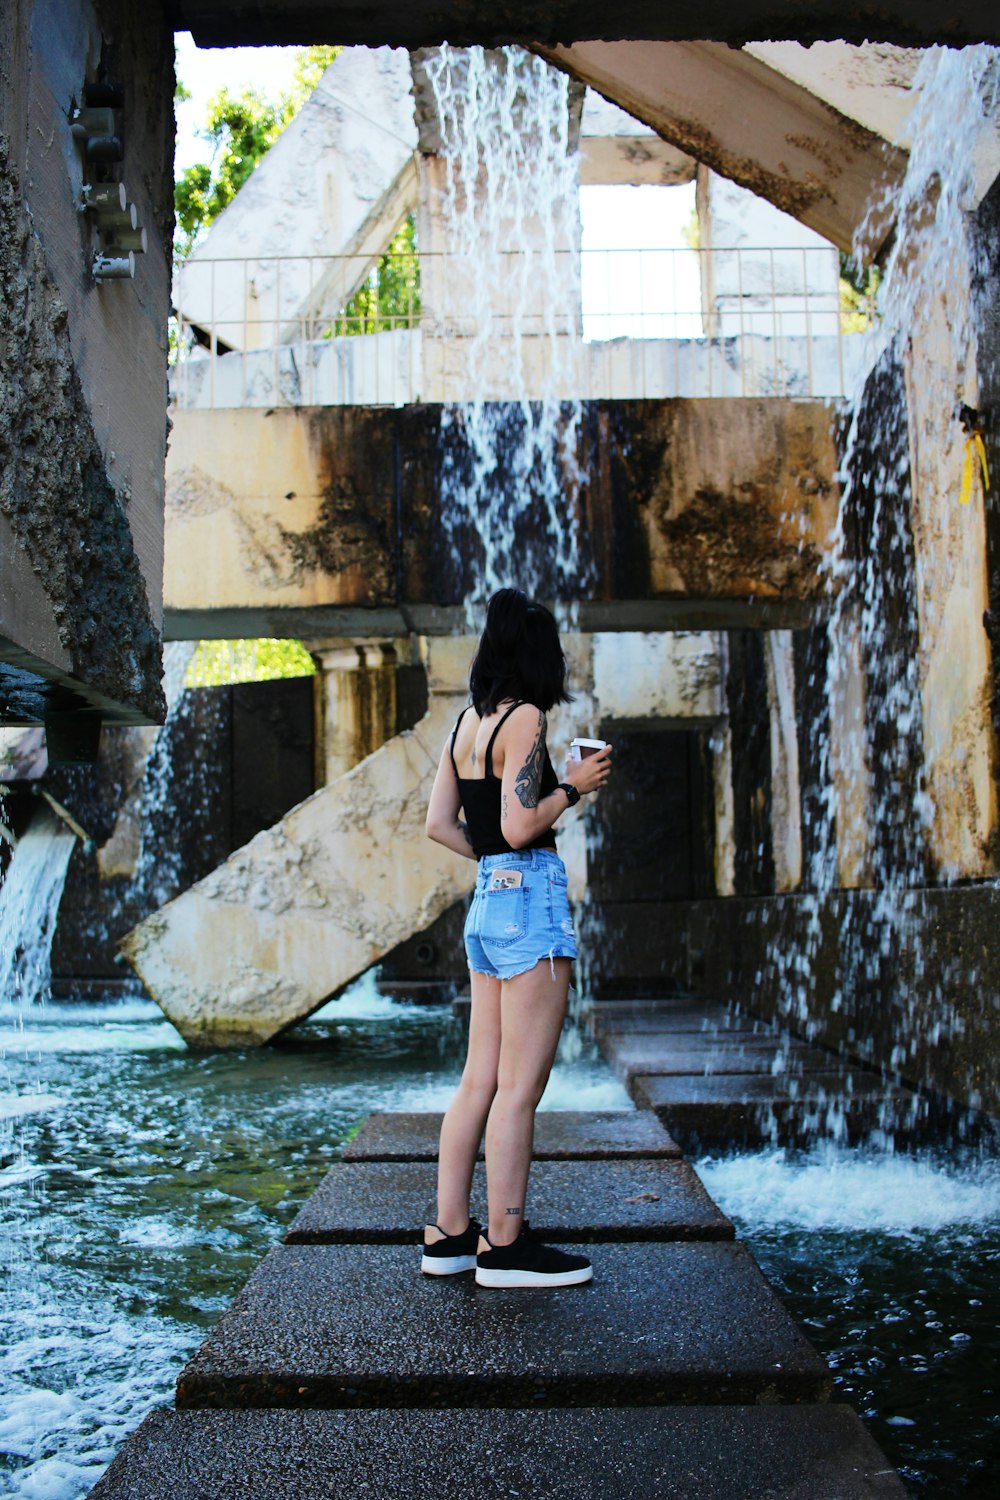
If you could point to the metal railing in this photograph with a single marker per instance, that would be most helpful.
(318, 330)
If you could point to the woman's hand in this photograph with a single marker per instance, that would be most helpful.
(591, 773)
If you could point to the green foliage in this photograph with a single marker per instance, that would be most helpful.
(240, 129)
(390, 295)
(216, 663)
(858, 289)
(691, 231)
(310, 65)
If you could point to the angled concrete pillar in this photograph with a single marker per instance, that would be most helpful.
(311, 903)
(748, 122)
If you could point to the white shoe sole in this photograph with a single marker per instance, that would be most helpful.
(447, 1265)
(533, 1278)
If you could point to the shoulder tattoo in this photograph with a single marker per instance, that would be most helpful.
(529, 777)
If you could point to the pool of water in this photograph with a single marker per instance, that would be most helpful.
(140, 1184)
(892, 1266)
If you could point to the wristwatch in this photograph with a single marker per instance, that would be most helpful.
(571, 791)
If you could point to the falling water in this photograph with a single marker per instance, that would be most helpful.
(881, 790)
(508, 302)
(29, 903)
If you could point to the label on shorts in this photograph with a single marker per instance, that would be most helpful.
(505, 880)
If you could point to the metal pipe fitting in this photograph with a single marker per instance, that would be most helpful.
(114, 267)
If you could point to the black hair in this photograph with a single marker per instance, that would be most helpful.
(519, 656)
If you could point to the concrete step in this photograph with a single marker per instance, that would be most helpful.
(673, 1453)
(656, 1052)
(339, 1326)
(691, 1015)
(560, 1134)
(750, 1108)
(388, 1203)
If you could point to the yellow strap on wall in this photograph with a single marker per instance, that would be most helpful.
(974, 447)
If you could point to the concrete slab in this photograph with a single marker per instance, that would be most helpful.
(674, 1453)
(608, 1016)
(653, 1052)
(335, 1326)
(386, 1203)
(563, 1134)
(738, 1109)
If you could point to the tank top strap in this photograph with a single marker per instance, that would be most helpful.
(489, 747)
(454, 735)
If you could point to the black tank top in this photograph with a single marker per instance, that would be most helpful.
(481, 799)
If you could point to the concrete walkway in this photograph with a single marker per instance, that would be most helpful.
(340, 1371)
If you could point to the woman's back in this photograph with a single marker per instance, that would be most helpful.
(478, 753)
(472, 747)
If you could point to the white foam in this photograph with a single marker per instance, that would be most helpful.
(570, 1088)
(14, 1106)
(835, 1188)
(361, 1001)
(90, 1038)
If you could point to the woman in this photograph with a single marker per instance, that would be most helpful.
(519, 940)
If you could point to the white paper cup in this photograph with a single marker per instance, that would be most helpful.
(579, 749)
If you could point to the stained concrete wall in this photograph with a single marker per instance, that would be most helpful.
(327, 521)
(83, 378)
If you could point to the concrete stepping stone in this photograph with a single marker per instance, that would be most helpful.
(371, 1202)
(652, 1052)
(673, 1453)
(340, 1326)
(583, 1135)
(731, 1109)
(602, 1019)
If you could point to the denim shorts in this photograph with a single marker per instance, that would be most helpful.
(510, 930)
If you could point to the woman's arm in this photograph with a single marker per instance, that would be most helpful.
(524, 813)
(443, 825)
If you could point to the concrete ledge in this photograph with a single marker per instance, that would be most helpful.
(332, 1326)
(389, 1202)
(683, 1016)
(682, 1053)
(579, 1135)
(740, 1109)
(674, 1453)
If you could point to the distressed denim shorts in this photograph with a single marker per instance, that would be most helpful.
(511, 929)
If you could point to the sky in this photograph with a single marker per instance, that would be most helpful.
(631, 218)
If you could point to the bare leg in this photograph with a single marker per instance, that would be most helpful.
(462, 1127)
(532, 1009)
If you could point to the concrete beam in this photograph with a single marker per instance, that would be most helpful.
(308, 904)
(425, 23)
(748, 122)
(327, 521)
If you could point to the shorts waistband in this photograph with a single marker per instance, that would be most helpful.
(519, 859)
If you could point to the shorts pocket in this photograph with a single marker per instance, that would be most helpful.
(503, 916)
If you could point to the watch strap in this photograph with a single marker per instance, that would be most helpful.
(572, 792)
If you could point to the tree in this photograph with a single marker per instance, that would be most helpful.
(240, 128)
(389, 297)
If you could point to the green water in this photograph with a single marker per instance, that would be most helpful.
(145, 1183)
(140, 1185)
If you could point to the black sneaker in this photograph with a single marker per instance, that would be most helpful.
(527, 1262)
(456, 1252)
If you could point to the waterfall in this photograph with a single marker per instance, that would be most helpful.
(903, 562)
(508, 300)
(29, 903)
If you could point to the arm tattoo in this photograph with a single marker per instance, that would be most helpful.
(529, 777)
(503, 807)
(513, 1210)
